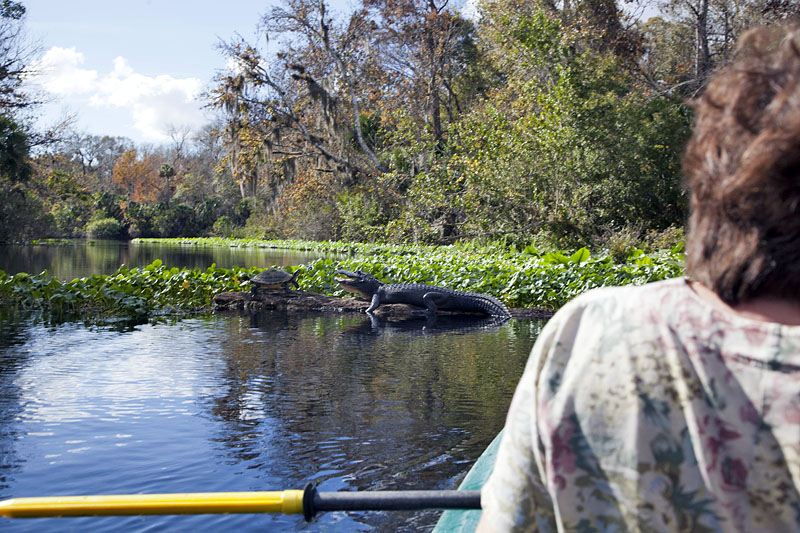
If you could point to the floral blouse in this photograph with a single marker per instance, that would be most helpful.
(648, 409)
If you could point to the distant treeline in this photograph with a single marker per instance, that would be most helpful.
(530, 121)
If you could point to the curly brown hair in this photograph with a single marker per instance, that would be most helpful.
(742, 167)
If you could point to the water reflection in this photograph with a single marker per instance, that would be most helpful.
(86, 258)
(13, 332)
(251, 402)
(359, 408)
(448, 324)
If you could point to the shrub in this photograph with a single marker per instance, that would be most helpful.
(361, 217)
(620, 243)
(259, 225)
(108, 204)
(223, 226)
(667, 239)
(69, 218)
(104, 228)
(178, 221)
(206, 213)
(140, 219)
(242, 211)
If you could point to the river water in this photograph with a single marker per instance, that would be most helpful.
(85, 258)
(243, 402)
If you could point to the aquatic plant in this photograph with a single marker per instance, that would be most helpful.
(519, 279)
(139, 293)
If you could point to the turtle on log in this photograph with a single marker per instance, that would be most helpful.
(272, 280)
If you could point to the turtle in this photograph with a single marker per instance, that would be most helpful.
(273, 279)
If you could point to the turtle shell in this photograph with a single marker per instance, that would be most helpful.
(273, 276)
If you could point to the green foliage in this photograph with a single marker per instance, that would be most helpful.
(370, 129)
(105, 228)
(315, 219)
(528, 278)
(671, 238)
(519, 280)
(70, 217)
(166, 171)
(559, 123)
(70, 203)
(22, 209)
(261, 224)
(140, 219)
(568, 145)
(108, 204)
(223, 226)
(177, 221)
(206, 213)
(140, 294)
(363, 216)
(242, 211)
(14, 150)
(22, 214)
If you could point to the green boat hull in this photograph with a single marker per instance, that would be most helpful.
(467, 521)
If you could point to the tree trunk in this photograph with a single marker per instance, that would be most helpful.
(702, 53)
(434, 102)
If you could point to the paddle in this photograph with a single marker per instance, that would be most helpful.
(307, 501)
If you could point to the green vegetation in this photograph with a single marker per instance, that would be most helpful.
(520, 278)
(104, 228)
(545, 281)
(134, 293)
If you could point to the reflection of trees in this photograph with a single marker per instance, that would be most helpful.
(85, 258)
(65, 262)
(14, 331)
(16, 258)
(199, 257)
(98, 257)
(332, 398)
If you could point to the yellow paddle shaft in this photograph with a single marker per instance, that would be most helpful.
(287, 502)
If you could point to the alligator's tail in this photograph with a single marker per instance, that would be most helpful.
(493, 306)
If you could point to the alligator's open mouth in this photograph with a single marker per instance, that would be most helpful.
(354, 282)
(347, 285)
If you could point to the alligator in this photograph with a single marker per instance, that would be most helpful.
(427, 296)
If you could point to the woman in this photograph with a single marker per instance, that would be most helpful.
(675, 406)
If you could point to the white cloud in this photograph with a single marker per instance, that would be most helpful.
(59, 72)
(154, 103)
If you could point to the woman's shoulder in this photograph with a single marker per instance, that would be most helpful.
(631, 300)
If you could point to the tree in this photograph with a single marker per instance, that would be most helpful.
(424, 48)
(21, 212)
(14, 151)
(167, 173)
(138, 176)
(569, 147)
(340, 47)
(15, 57)
(308, 102)
(90, 158)
(704, 33)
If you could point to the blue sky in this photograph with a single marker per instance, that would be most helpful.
(134, 68)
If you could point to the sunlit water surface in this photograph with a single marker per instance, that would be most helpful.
(249, 402)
